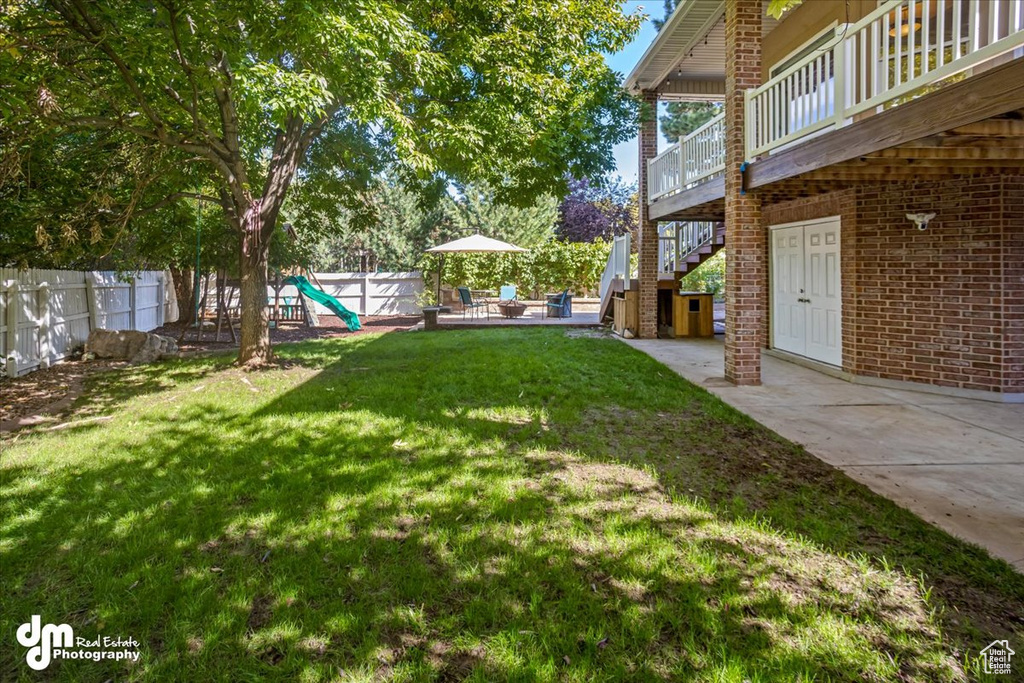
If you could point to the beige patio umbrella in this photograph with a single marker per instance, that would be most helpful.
(474, 244)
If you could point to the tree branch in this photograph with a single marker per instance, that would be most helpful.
(95, 32)
(170, 199)
(186, 67)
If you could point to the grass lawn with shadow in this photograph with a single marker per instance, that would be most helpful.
(497, 504)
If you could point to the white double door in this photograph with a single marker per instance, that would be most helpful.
(807, 300)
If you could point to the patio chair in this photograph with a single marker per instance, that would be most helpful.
(507, 293)
(469, 305)
(559, 305)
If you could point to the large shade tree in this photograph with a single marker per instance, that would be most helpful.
(510, 92)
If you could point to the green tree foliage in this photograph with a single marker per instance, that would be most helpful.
(388, 233)
(776, 8)
(708, 277)
(682, 118)
(549, 267)
(402, 222)
(476, 210)
(514, 94)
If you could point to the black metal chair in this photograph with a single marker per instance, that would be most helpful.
(469, 305)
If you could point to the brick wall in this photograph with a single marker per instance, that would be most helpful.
(745, 288)
(944, 306)
(1013, 283)
(647, 245)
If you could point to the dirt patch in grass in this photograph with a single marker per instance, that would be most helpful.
(32, 398)
(260, 613)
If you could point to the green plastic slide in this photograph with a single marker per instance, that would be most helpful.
(308, 290)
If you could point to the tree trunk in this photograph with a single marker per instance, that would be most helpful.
(183, 286)
(254, 348)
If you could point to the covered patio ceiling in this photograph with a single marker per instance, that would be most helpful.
(686, 61)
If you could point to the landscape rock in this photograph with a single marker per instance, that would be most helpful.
(130, 345)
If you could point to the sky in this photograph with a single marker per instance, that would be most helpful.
(626, 153)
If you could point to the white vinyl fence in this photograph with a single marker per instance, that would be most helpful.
(368, 293)
(44, 314)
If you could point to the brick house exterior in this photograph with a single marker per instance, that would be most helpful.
(941, 307)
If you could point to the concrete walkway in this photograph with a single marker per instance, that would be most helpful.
(958, 463)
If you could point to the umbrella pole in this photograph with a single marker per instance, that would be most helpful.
(440, 262)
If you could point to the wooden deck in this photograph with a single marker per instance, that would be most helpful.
(584, 314)
(532, 318)
(974, 127)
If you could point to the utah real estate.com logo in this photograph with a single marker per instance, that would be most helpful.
(997, 657)
(46, 642)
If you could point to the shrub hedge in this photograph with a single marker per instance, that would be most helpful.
(549, 267)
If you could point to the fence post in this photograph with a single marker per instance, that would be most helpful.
(13, 304)
(160, 313)
(133, 299)
(366, 294)
(43, 318)
(93, 303)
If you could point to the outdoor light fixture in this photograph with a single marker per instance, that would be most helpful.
(902, 26)
(920, 219)
(904, 30)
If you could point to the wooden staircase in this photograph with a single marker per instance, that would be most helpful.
(701, 253)
(697, 241)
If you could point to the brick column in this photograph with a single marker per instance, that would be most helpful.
(647, 243)
(745, 242)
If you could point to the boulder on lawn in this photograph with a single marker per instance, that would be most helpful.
(130, 345)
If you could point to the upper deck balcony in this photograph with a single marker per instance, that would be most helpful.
(895, 54)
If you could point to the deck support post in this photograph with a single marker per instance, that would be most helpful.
(647, 244)
(746, 279)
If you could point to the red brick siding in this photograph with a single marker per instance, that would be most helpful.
(745, 293)
(1013, 283)
(647, 246)
(944, 306)
(931, 301)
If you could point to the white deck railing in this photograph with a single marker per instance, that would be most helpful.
(618, 265)
(893, 54)
(678, 240)
(664, 173)
(698, 156)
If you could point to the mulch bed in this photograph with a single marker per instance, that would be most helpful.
(30, 399)
(330, 326)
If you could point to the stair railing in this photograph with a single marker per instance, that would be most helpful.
(693, 235)
(618, 265)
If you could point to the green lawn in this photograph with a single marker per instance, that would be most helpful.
(492, 505)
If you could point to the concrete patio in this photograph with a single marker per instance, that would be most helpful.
(584, 314)
(958, 463)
